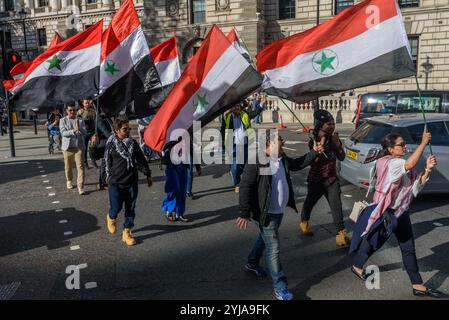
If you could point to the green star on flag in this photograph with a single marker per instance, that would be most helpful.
(110, 67)
(325, 62)
(55, 62)
(202, 103)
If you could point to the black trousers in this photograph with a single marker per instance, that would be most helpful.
(406, 240)
(332, 192)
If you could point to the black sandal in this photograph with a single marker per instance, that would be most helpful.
(169, 216)
(362, 276)
(432, 293)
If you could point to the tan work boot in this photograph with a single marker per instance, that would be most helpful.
(112, 224)
(127, 237)
(69, 185)
(342, 238)
(304, 226)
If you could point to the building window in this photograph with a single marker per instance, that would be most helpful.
(42, 3)
(287, 9)
(198, 11)
(408, 3)
(9, 5)
(41, 37)
(341, 5)
(87, 26)
(414, 42)
(91, 1)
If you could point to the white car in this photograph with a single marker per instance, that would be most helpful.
(363, 146)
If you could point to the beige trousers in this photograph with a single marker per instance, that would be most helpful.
(70, 156)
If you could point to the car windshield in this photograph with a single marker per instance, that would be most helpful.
(373, 132)
(379, 103)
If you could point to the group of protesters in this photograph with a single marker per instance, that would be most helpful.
(263, 197)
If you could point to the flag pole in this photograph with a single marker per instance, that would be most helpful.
(422, 110)
(294, 115)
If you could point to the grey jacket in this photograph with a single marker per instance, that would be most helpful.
(71, 140)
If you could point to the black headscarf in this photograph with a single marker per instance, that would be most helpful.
(321, 117)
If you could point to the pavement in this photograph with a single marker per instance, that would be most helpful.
(48, 234)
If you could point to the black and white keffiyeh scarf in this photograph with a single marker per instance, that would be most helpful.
(125, 148)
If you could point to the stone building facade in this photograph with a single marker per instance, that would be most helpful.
(261, 22)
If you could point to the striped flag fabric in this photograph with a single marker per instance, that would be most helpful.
(234, 38)
(364, 45)
(55, 40)
(165, 57)
(126, 64)
(217, 77)
(18, 71)
(166, 60)
(65, 72)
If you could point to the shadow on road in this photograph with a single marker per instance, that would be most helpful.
(30, 230)
(13, 172)
(216, 216)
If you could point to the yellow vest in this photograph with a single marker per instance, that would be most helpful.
(246, 121)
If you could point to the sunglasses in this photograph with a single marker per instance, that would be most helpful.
(402, 144)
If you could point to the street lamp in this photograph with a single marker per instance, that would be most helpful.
(428, 67)
(23, 14)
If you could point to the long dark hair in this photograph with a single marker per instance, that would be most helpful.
(389, 141)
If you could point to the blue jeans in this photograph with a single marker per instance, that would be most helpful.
(118, 194)
(237, 169)
(189, 180)
(268, 240)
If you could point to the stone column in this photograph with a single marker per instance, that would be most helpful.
(64, 4)
(108, 4)
(29, 4)
(54, 5)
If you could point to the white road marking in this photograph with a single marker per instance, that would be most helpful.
(347, 195)
(51, 194)
(44, 176)
(90, 285)
(62, 221)
(68, 233)
(289, 149)
(438, 224)
(73, 248)
(58, 210)
(46, 181)
(48, 188)
(55, 202)
(40, 167)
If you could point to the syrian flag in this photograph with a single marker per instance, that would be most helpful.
(234, 38)
(165, 57)
(65, 72)
(363, 45)
(126, 64)
(216, 77)
(19, 70)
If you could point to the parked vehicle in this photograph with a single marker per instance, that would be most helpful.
(363, 147)
(398, 102)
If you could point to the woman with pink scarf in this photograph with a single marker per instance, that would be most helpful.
(396, 185)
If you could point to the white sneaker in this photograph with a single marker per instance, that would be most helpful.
(69, 185)
(81, 192)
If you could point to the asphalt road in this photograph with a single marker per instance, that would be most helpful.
(45, 229)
